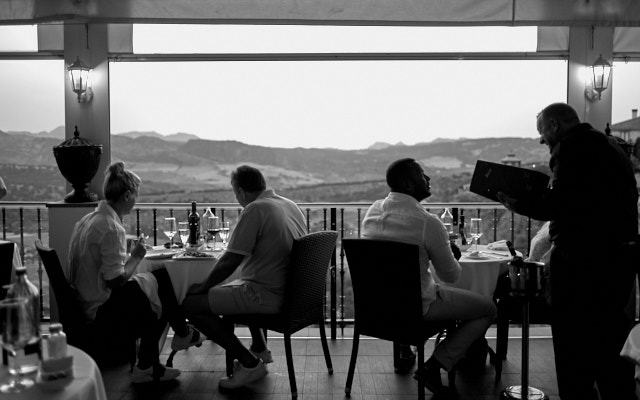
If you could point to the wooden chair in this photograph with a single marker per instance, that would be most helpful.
(304, 298)
(387, 298)
(79, 333)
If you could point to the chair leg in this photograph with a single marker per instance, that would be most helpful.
(292, 374)
(325, 347)
(420, 372)
(169, 362)
(352, 362)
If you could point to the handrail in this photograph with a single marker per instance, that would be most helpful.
(27, 221)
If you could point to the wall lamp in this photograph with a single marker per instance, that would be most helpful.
(599, 74)
(79, 73)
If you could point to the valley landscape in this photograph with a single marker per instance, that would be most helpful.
(182, 167)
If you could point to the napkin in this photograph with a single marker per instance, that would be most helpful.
(500, 245)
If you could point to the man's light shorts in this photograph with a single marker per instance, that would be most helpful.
(242, 297)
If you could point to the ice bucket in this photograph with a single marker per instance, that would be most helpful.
(526, 278)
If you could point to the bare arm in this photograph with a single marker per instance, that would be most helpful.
(137, 254)
(221, 271)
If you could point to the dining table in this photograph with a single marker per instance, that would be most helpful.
(87, 383)
(184, 269)
(480, 271)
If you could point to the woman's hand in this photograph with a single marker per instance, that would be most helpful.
(140, 249)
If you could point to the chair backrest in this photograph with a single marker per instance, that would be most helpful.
(386, 289)
(69, 311)
(307, 279)
(6, 265)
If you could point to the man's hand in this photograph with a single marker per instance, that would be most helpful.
(456, 251)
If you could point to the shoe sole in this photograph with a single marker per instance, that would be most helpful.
(221, 385)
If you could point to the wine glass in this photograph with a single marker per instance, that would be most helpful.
(183, 230)
(213, 227)
(170, 229)
(17, 329)
(224, 233)
(475, 230)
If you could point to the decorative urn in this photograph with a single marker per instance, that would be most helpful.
(78, 160)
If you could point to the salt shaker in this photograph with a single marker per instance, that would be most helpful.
(55, 346)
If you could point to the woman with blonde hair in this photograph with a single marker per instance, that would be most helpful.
(121, 304)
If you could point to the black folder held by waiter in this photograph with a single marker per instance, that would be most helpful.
(491, 178)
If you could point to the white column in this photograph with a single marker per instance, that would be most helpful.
(90, 43)
(586, 44)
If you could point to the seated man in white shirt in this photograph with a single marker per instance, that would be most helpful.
(401, 217)
(258, 251)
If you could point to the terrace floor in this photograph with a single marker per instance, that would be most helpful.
(203, 367)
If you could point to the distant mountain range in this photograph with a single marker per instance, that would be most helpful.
(186, 163)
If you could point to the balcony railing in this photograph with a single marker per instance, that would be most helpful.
(23, 222)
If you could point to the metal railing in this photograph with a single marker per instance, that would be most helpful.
(23, 222)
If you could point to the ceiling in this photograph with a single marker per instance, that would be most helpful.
(347, 12)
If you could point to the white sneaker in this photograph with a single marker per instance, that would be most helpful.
(157, 373)
(264, 355)
(243, 376)
(193, 338)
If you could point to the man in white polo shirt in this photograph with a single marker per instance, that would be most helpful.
(258, 252)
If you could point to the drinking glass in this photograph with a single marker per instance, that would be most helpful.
(170, 229)
(224, 234)
(213, 227)
(475, 230)
(17, 328)
(183, 230)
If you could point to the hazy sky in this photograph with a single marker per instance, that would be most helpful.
(342, 104)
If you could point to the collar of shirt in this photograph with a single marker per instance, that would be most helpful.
(104, 207)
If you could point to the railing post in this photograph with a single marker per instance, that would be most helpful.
(39, 216)
(342, 273)
(332, 269)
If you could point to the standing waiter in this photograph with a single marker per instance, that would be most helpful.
(592, 205)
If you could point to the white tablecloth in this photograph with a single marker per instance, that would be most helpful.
(481, 276)
(87, 383)
(183, 273)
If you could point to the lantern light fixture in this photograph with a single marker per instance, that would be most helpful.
(600, 74)
(80, 73)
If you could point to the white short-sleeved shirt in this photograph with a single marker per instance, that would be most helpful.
(264, 234)
(402, 218)
(97, 254)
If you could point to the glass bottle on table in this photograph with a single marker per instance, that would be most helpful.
(17, 330)
(447, 220)
(27, 358)
(213, 228)
(205, 228)
(194, 225)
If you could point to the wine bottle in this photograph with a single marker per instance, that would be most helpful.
(194, 225)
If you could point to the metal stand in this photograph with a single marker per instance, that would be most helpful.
(517, 391)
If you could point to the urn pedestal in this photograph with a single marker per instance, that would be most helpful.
(78, 160)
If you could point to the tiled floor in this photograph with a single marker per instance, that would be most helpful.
(375, 379)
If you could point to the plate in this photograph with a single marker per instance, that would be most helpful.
(195, 256)
(160, 254)
(476, 257)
